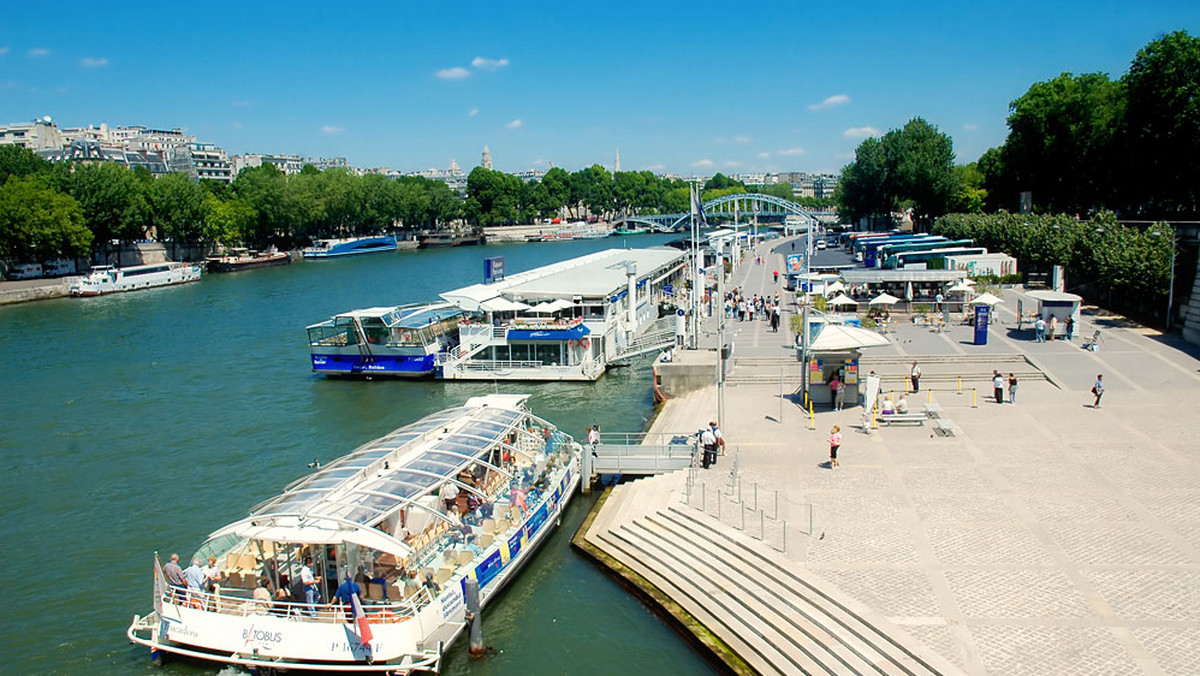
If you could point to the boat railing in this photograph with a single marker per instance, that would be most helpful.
(228, 601)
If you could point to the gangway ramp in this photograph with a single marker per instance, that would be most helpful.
(659, 335)
(638, 453)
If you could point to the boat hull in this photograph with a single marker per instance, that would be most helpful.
(218, 265)
(182, 275)
(396, 366)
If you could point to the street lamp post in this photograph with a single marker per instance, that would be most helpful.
(1171, 283)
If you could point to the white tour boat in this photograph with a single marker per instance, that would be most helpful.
(108, 279)
(466, 493)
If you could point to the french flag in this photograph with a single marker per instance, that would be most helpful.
(360, 619)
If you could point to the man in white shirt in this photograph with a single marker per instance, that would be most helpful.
(448, 494)
(311, 591)
(708, 442)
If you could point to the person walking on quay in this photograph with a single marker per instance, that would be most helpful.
(593, 437)
(1070, 324)
(1098, 390)
(998, 386)
(1012, 389)
(775, 319)
(839, 397)
(1053, 326)
(915, 375)
(712, 425)
(1039, 329)
(708, 442)
(835, 441)
(835, 384)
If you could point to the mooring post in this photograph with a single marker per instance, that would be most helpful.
(474, 616)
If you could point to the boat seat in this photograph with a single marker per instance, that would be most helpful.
(443, 575)
(484, 541)
(374, 591)
(465, 556)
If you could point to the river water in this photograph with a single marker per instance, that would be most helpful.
(144, 421)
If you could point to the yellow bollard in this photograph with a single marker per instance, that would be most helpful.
(974, 398)
(960, 384)
(812, 419)
(907, 384)
(930, 396)
(875, 416)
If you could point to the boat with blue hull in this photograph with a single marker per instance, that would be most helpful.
(398, 342)
(354, 246)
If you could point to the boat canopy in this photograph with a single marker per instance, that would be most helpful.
(376, 480)
(418, 317)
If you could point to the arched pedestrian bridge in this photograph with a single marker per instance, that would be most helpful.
(735, 205)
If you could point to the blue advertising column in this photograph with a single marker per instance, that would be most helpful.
(982, 313)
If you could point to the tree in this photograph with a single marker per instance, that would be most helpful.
(178, 208)
(1161, 128)
(592, 188)
(1060, 138)
(558, 188)
(863, 191)
(38, 223)
(265, 189)
(114, 202)
(720, 181)
(19, 161)
(970, 196)
(920, 167)
(230, 222)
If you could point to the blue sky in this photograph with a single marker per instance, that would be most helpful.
(689, 88)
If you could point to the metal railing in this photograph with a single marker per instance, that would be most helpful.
(239, 601)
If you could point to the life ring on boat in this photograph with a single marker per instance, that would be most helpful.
(585, 342)
(406, 337)
(381, 616)
(572, 343)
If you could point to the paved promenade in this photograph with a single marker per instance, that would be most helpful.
(1045, 537)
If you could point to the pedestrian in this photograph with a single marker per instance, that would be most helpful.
(1012, 389)
(174, 575)
(1039, 328)
(839, 397)
(775, 319)
(915, 375)
(835, 441)
(1053, 326)
(834, 385)
(998, 386)
(937, 301)
(708, 442)
(712, 425)
(593, 437)
(1098, 390)
(1070, 323)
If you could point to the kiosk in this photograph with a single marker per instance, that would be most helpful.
(1057, 304)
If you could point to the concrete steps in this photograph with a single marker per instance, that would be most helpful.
(779, 619)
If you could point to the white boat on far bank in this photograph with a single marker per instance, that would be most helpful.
(104, 279)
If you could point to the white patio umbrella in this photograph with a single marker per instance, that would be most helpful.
(959, 287)
(967, 280)
(501, 304)
(884, 299)
(908, 294)
(842, 337)
(834, 287)
(985, 299)
(842, 299)
(551, 306)
(542, 308)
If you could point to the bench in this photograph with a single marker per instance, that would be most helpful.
(944, 427)
(903, 419)
(933, 410)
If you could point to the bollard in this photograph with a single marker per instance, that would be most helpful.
(974, 398)
(907, 384)
(474, 616)
(960, 384)
(812, 420)
(930, 396)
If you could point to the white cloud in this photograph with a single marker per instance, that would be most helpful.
(330, 129)
(38, 52)
(970, 127)
(764, 154)
(831, 102)
(473, 112)
(742, 139)
(792, 151)
(488, 64)
(860, 132)
(90, 62)
(455, 73)
(515, 124)
(702, 164)
(733, 163)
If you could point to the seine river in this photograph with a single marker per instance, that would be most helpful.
(144, 421)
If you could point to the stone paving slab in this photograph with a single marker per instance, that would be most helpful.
(1047, 537)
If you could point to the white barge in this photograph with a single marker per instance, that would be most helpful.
(104, 279)
(468, 492)
(567, 320)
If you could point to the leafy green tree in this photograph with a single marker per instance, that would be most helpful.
(19, 161)
(864, 188)
(114, 202)
(266, 190)
(720, 181)
(38, 223)
(592, 187)
(970, 196)
(558, 188)
(1162, 126)
(230, 222)
(178, 208)
(920, 167)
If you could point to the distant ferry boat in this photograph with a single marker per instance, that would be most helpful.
(245, 259)
(384, 341)
(468, 493)
(108, 279)
(429, 240)
(354, 246)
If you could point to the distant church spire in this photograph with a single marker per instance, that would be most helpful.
(617, 164)
(487, 158)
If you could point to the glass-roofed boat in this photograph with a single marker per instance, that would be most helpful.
(466, 493)
(401, 341)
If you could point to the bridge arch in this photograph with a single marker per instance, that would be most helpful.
(755, 200)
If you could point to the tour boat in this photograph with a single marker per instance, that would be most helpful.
(108, 279)
(379, 516)
(384, 341)
(245, 259)
(354, 246)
